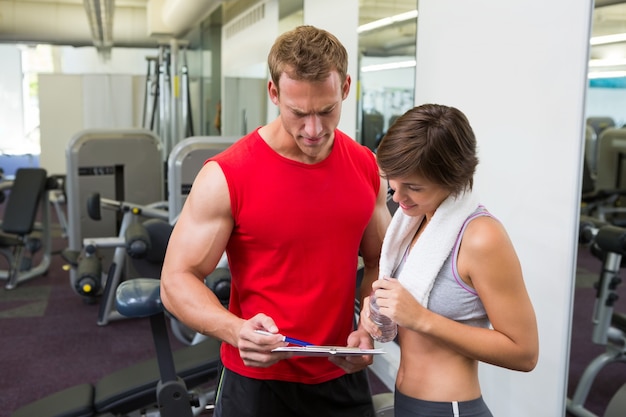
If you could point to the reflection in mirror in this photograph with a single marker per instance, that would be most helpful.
(387, 38)
(606, 93)
(596, 380)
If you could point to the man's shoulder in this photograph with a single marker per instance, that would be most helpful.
(343, 136)
(239, 149)
(349, 142)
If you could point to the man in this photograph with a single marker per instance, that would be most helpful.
(293, 204)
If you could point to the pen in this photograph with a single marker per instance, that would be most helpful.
(286, 339)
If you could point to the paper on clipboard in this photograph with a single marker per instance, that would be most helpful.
(314, 350)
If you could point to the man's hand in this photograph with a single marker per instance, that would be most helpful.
(354, 363)
(255, 349)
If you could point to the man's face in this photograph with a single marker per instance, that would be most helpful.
(310, 111)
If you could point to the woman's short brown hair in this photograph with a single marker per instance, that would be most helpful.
(432, 141)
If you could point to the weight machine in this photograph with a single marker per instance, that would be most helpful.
(21, 235)
(119, 164)
(609, 327)
(167, 98)
(136, 240)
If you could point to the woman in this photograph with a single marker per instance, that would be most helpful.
(459, 297)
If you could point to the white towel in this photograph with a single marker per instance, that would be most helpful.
(431, 249)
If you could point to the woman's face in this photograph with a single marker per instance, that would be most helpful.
(417, 196)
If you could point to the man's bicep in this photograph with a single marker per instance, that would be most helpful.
(205, 222)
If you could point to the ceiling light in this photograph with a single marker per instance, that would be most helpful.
(388, 66)
(387, 21)
(614, 62)
(603, 40)
(607, 74)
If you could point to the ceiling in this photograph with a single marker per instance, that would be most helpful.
(65, 22)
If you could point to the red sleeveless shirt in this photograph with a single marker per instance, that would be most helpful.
(293, 251)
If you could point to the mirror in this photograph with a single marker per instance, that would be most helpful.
(387, 38)
(606, 92)
(592, 385)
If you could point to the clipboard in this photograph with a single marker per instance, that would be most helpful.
(315, 350)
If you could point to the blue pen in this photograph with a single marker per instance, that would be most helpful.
(286, 339)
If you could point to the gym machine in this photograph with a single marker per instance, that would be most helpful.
(22, 235)
(183, 164)
(136, 239)
(607, 242)
(121, 165)
(167, 97)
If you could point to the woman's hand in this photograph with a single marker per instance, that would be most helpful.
(397, 303)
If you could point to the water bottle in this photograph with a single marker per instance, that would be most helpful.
(387, 326)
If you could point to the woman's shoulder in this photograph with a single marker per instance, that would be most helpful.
(483, 233)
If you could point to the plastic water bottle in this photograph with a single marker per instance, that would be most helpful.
(388, 327)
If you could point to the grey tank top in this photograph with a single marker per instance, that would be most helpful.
(450, 296)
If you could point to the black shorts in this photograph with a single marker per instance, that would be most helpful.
(346, 396)
(405, 406)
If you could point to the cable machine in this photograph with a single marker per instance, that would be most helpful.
(167, 99)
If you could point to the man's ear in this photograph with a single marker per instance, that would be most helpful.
(272, 90)
(346, 87)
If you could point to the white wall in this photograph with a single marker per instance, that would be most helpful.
(70, 103)
(496, 61)
(89, 92)
(86, 60)
(58, 122)
(247, 39)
